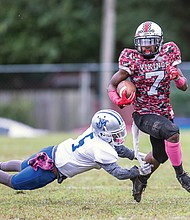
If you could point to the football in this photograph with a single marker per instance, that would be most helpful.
(126, 85)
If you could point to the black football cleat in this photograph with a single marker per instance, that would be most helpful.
(138, 188)
(184, 180)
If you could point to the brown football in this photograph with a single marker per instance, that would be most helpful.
(126, 85)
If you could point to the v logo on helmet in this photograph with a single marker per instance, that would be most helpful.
(102, 123)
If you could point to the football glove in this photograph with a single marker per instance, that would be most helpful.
(124, 100)
(121, 101)
(145, 169)
(173, 72)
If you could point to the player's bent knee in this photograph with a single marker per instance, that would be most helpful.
(174, 138)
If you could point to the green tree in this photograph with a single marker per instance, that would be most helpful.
(171, 15)
(69, 31)
(49, 31)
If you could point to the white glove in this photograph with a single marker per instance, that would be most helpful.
(145, 169)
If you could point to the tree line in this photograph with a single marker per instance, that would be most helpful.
(69, 31)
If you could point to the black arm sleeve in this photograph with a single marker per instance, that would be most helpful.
(120, 173)
(125, 152)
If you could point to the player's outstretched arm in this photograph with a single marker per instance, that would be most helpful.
(125, 152)
(122, 173)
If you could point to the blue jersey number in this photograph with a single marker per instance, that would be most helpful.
(81, 142)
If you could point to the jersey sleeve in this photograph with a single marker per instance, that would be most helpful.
(120, 173)
(126, 61)
(174, 53)
(125, 152)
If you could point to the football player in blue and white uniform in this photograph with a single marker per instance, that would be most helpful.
(98, 147)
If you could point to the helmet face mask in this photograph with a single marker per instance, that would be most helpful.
(109, 126)
(119, 137)
(148, 39)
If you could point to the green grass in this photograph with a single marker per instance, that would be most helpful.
(95, 194)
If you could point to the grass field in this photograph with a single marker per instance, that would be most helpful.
(94, 195)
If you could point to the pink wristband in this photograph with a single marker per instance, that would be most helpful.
(180, 82)
(114, 97)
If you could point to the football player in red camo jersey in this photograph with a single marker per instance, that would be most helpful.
(151, 66)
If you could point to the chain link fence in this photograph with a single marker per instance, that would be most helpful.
(62, 97)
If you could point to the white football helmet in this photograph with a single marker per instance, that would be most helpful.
(109, 126)
(148, 34)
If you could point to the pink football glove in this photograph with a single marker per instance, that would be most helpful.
(173, 72)
(121, 102)
(126, 101)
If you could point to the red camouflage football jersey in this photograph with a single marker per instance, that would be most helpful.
(151, 79)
